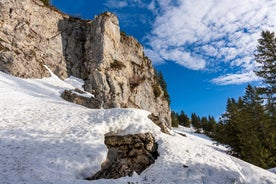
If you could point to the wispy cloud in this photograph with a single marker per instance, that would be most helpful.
(116, 4)
(236, 78)
(133, 13)
(150, 4)
(202, 34)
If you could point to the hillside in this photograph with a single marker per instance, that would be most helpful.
(45, 139)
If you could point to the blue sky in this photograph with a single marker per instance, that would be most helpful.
(204, 48)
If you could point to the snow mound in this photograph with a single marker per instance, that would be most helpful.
(273, 170)
(45, 139)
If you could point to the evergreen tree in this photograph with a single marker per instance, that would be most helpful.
(195, 121)
(208, 125)
(266, 57)
(161, 81)
(252, 129)
(229, 125)
(246, 128)
(204, 122)
(218, 133)
(211, 124)
(184, 119)
(174, 117)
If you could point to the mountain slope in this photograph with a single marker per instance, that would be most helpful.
(45, 139)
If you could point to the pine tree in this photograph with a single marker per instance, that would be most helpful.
(246, 128)
(266, 57)
(212, 124)
(204, 122)
(174, 117)
(184, 119)
(161, 81)
(252, 129)
(219, 132)
(208, 125)
(195, 121)
(229, 124)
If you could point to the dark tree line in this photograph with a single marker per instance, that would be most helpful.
(249, 126)
(180, 119)
(200, 124)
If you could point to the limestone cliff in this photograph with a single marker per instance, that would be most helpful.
(112, 64)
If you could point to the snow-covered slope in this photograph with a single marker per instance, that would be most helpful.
(273, 170)
(44, 139)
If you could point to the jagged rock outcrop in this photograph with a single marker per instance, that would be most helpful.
(112, 64)
(127, 154)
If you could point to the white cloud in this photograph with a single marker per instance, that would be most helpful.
(116, 4)
(184, 58)
(191, 32)
(152, 6)
(134, 3)
(154, 56)
(236, 78)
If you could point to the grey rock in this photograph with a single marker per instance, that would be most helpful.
(127, 154)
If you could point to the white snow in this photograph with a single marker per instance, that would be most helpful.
(273, 170)
(78, 83)
(44, 139)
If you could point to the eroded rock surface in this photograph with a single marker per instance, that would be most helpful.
(127, 154)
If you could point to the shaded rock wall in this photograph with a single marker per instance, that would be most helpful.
(112, 64)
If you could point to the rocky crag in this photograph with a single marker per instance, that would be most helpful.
(112, 64)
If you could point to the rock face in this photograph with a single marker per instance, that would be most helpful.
(127, 154)
(112, 64)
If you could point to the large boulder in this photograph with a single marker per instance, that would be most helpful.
(126, 155)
